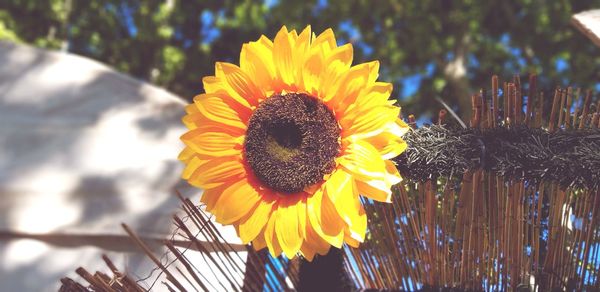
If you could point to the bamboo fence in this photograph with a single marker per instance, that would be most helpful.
(482, 231)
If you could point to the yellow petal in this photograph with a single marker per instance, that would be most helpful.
(374, 71)
(216, 108)
(324, 219)
(265, 42)
(377, 94)
(342, 191)
(387, 144)
(362, 160)
(373, 175)
(392, 174)
(311, 73)
(271, 238)
(399, 128)
(191, 109)
(256, 221)
(293, 36)
(350, 240)
(241, 86)
(355, 78)
(214, 85)
(216, 171)
(283, 57)
(300, 53)
(322, 66)
(186, 154)
(259, 242)
(377, 190)
(315, 242)
(307, 252)
(358, 227)
(325, 41)
(204, 124)
(338, 185)
(328, 80)
(344, 54)
(211, 196)
(190, 121)
(213, 143)
(236, 201)
(256, 59)
(191, 167)
(370, 122)
(361, 92)
(287, 228)
(302, 219)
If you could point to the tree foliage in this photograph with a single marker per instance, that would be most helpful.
(427, 48)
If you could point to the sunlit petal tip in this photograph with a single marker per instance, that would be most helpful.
(255, 221)
(351, 241)
(191, 167)
(271, 239)
(238, 200)
(207, 81)
(328, 36)
(293, 34)
(324, 249)
(374, 65)
(259, 242)
(287, 229)
(308, 253)
(283, 31)
(186, 154)
(307, 30)
(403, 125)
(343, 54)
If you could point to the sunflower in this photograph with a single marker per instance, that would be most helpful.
(284, 143)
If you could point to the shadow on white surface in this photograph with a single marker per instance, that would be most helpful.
(82, 149)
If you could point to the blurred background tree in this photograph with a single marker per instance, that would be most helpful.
(427, 48)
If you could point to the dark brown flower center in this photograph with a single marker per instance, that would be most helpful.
(291, 142)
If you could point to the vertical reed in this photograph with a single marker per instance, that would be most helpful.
(481, 231)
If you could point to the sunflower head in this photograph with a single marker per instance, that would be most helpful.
(284, 143)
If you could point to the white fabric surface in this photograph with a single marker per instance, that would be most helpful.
(588, 22)
(82, 149)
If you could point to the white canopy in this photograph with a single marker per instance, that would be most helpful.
(82, 149)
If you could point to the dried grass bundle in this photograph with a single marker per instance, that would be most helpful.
(181, 273)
